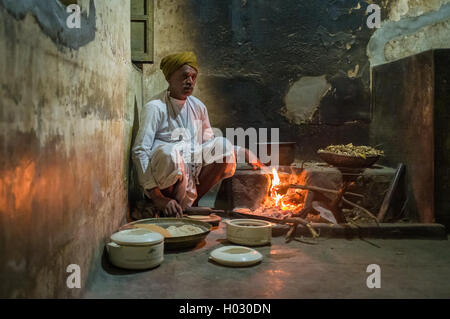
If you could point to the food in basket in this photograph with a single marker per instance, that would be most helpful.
(353, 150)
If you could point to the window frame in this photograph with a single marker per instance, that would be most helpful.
(148, 19)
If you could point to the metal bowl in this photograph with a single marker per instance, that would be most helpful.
(347, 161)
(286, 152)
(180, 242)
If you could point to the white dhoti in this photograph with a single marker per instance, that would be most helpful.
(171, 163)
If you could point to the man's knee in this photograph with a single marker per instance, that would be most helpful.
(228, 161)
(167, 166)
(165, 155)
(227, 169)
(218, 150)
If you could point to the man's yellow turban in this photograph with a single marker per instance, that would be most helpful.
(173, 62)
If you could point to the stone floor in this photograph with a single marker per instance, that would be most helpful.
(330, 268)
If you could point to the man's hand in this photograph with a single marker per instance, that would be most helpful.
(254, 161)
(172, 208)
(168, 206)
(257, 164)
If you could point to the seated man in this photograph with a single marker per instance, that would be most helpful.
(176, 155)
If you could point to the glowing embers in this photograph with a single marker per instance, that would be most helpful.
(282, 201)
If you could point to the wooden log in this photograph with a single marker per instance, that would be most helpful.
(335, 205)
(390, 192)
(320, 189)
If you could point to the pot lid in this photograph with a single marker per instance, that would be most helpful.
(136, 237)
(236, 256)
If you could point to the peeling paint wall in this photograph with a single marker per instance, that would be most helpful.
(410, 27)
(303, 99)
(252, 54)
(65, 131)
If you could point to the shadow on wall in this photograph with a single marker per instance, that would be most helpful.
(51, 17)
(134, 190)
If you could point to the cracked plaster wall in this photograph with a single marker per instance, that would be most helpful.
(253, 55)
(303, 99)
(65, 131)
(410, 27)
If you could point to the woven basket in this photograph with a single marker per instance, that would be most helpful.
(348, 161)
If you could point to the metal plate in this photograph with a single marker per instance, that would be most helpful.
(180, 242)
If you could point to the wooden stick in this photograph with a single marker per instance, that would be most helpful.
(362, 209)
(298, 220)
(291, 233)
(336, 203)
(312, 231)
(389, 194)
(320, 189)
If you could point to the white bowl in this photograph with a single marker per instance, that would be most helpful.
(236, 256)
(136, 249)
(249, 232)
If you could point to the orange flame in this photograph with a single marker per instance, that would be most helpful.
(280, 201)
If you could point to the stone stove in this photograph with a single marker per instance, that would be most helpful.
(250, 189)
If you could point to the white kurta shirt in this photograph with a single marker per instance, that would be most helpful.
(158, 120)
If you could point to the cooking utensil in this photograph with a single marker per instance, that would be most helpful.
(202, 210)
(249, 232)
(136, 249)
(290, 220)
(236, 256)
(179, 242)
(286, 152)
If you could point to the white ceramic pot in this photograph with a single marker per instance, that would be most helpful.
(249, 232)
(136, 249)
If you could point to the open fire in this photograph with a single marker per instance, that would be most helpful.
(282, 202)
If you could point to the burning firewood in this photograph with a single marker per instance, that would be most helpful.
(272, 212)
(283, 206)
(319, 189)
